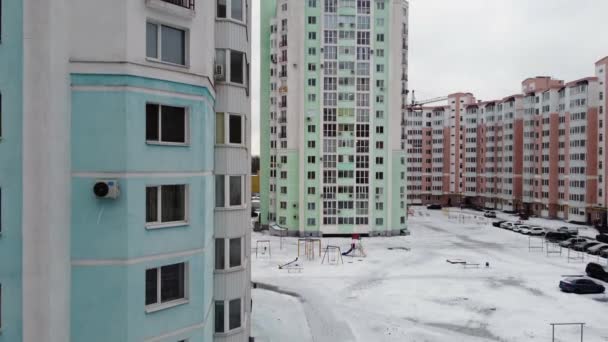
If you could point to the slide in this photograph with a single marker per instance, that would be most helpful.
(352, 247)
(287, 264)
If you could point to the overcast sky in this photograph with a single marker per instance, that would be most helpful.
(488, 47)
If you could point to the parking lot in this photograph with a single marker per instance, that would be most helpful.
(405, 290)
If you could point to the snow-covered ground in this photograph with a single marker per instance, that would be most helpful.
(410, 293)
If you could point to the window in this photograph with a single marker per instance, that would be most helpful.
(234, 7)
(166, 124)
(166, 205)
(234, 250)
(166, 44)
(219, 316)
(232, 315)
(166, 285)
(229, 129)
(229, 191)
(237, 67)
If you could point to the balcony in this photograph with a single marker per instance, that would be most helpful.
(189, 4)
(180, 8)
(282, 119)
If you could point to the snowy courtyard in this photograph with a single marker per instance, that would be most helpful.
(404, 290)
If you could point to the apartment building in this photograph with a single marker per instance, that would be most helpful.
(541, 151)
(124, 170)
(334, 80)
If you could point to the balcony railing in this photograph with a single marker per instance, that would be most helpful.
(189, 4)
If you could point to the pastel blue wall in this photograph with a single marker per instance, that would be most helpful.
(108, 135)
(11, 74)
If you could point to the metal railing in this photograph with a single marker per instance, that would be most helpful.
(189, 4)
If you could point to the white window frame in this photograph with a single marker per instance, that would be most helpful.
(226, 268)
(227, 192)
(160, 224)
(150, 308)
(227, 329)
(229, 17)
(160, 128)
(228, 69)
(159, 42)
(227, 142)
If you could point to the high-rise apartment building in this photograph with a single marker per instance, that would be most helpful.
(541, 151)
(334, 80)
(124, 170)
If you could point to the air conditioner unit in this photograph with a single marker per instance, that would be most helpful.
(295, 205)
(350, 195)
(352, 24)
(309, 119)
(219, 72)
(106, 189)
(381, 88)
(279, 165)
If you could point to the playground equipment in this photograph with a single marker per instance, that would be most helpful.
(292, 266)
(333, 254)
(552, 248)
(532, 246)
(309, 247)
(553, 325)
(356, 247)
(277, 230)
(263, 247)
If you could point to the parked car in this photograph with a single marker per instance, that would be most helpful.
(521, 228)
(597, 271)
(535, 230)
(524, 216)
(573, 241)
(507, 225)
(556, 236)
(583, 246)
(597, 249)
(498, 223)
(489, 214)
(604, 254)
(568, 230)
(602, 238)
(581, 285)
(434, 206)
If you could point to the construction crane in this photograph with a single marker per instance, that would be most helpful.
(423, 102)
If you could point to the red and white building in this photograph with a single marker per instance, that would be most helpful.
(541, 151)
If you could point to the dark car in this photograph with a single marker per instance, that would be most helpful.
(602, 238)
(557, 236)
(581, 285)
(582, 246)
(597, 271)
(604, 254)
(434, 207)
(497, 223)
(489, 214)
(524, 216)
